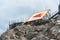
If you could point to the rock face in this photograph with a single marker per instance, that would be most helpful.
(48, 31)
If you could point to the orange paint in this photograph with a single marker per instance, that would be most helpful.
(39, 15)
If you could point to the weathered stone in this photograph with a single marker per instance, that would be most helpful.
(48, 31)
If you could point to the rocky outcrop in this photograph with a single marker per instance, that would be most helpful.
(48, 31)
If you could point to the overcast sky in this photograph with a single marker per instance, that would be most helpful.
(18, 9)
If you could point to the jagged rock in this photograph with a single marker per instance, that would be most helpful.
(48, 31)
